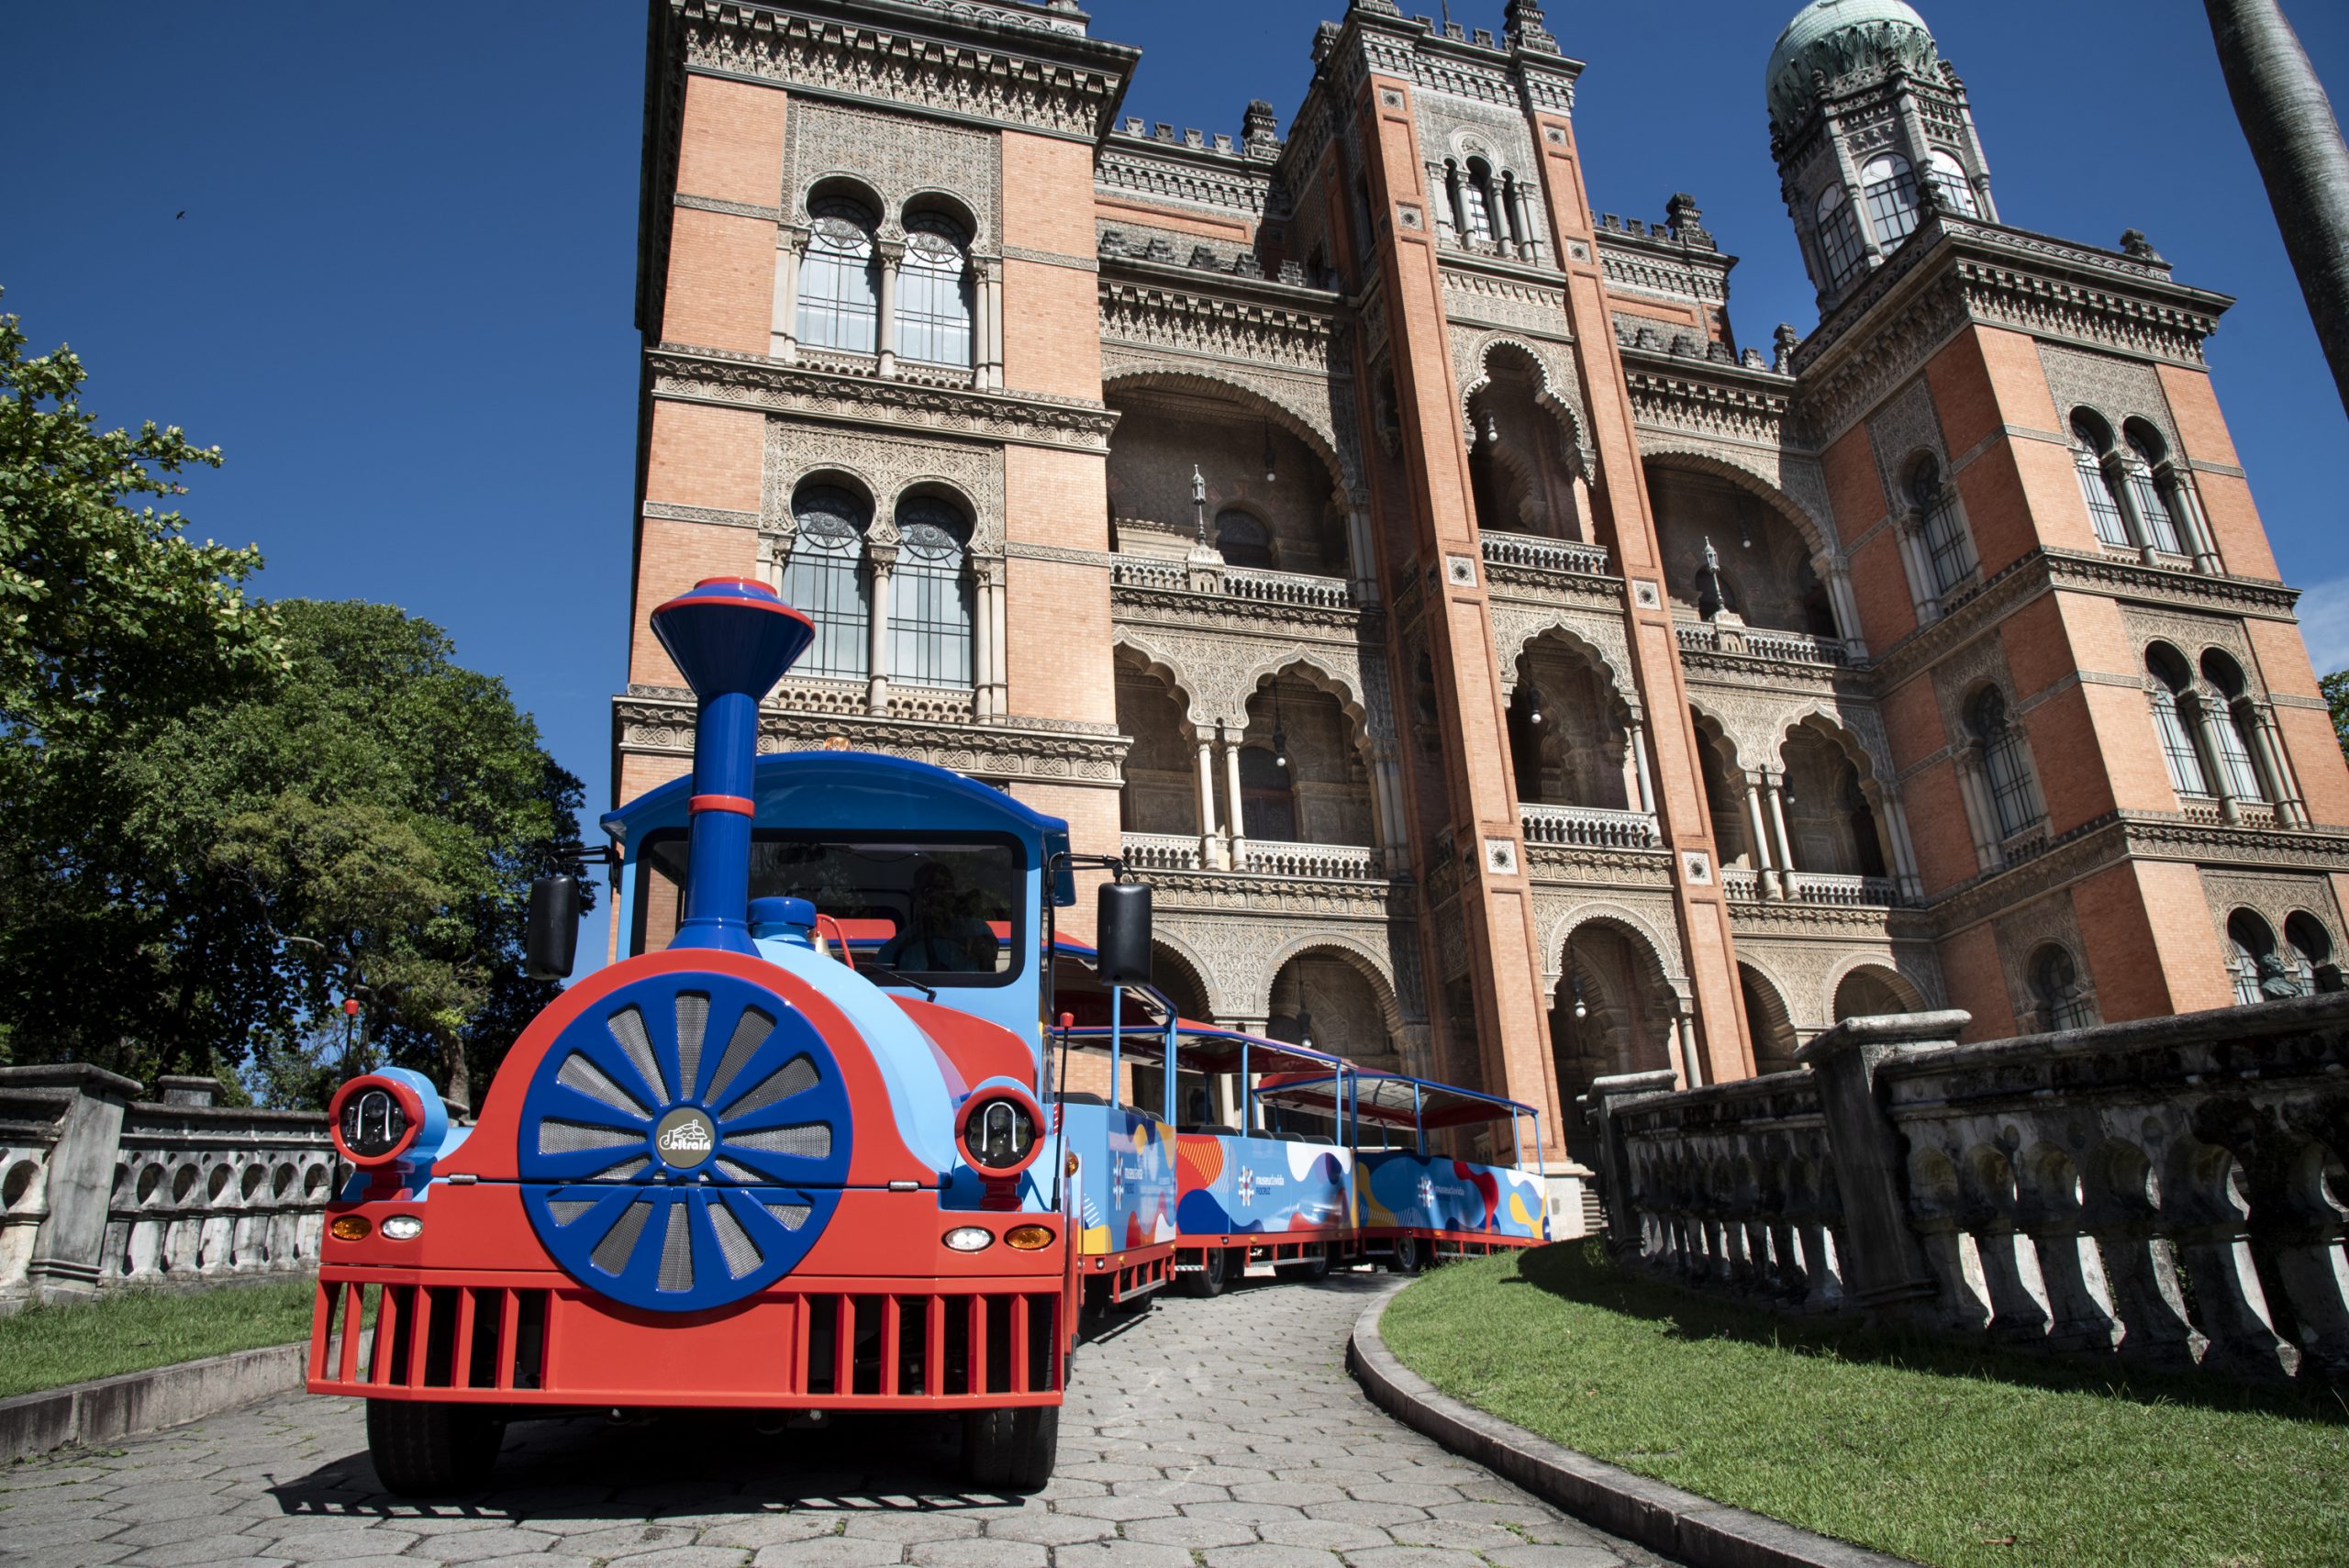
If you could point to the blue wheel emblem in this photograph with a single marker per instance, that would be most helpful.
(683, 1142)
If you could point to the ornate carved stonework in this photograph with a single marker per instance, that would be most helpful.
(1576, 865)
(2121, 390)
(746, 381)
(1227, 184)
(899, 156)
(887, 66)
(1013, 749)
(2022, 933)
(1561, 393)
(1905, 425)
(887, 466)
(1596, 631)
(1216, 672)
(2275, 898)
(1319, 409)
(1154, 314)
(1647, 918)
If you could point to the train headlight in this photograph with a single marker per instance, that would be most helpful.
(970, 1239)
(402, 1227)
(998, 1132)
(375, 1119)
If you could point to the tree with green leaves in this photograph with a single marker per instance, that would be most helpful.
(224, 814)
(2335, 688)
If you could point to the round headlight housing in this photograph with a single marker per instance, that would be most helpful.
(375, 1119)
(1000, 1131)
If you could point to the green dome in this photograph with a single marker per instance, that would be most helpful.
(1843, 38)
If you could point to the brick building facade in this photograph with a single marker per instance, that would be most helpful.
(1498, 670)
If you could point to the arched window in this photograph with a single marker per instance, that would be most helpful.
(2311, 947)
(930, 594)
(1839, 237)
(1951, 554)
(2013, 800)
(1243, 540)
(2090, 444)
(1948, 176)
(1888, 189)
(1476, 200)
(2055, 985)
(2260, 974)
(826, 579)
(2233, 728)
(840, 283)
(2152, 505)
(2183, 758)
(934, 292)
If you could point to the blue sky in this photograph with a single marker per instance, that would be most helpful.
(400, 297)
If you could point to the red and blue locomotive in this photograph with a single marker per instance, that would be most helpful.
(778, 1159)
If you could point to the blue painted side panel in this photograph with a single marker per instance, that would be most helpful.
(1401, 1189)
(1125, 1177)
(1234, 1185)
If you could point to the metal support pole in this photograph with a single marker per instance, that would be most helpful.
(1247, 1094)
(1169, 1063)
(1116, 1041)
(1419, 1119)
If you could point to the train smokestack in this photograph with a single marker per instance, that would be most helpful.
(733, 639)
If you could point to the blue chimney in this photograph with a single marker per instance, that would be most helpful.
(733, 639)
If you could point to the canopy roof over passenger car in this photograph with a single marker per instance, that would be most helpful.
(1390, 1100)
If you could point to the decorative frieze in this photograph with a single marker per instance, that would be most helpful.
(1226, 184)
(903, 69)
(887, 466)
(746, 381)
(1220, 326)
(2118, 389)
(897, 156)
(647, 723)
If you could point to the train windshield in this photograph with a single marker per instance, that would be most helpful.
(944, 913)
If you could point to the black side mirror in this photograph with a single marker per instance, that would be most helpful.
(553, 940)
(1121, 932)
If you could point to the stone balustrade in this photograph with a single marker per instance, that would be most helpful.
(1161, 851)
(100, 1188)
(1844, 892)
(1538, 554)
(1750, 642)
(1323, 863)
(1214, 579)
(2169, 1191)
(1148, 572)
(1588, 826)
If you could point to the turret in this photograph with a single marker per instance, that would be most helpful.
(1870, 128)
(731, 638)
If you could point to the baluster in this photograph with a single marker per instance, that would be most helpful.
(2207, 1225)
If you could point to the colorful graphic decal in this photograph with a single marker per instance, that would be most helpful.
(1125, 1177)
(1235, 1186)
(1437, 1193)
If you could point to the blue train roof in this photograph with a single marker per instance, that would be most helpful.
(821, 791)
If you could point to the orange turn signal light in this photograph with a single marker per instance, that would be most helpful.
(1072, 1164)
(349, 1228)
(1028, 1238)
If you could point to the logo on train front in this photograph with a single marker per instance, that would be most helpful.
(685, 1138)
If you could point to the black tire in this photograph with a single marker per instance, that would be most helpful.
(1311, 1271)
(1208, 1280)
(1013, 1449)
(1408, 1257)
(424, 1450)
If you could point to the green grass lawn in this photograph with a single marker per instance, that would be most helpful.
(43, 1346)
(1952, 1457)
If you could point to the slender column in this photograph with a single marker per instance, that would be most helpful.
(893, 253)
(1636, 738)
(2205, 714)
(1784, 846)
(998, 593)
(2276, 763)
(2185, 505)
(1846, 605)
(876, 690)
(1904, 853)
(1210, 850)
(783, 326)
(983, 651)
(990, 324)
(1236, 825)
(1989, 852)
(1919, 556)
(1578, 486)
(2120, 478)
(1759, 833)
(1684, 1035)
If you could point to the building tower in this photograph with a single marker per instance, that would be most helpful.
(1868, 125)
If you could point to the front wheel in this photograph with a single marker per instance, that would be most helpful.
(1208, 1280)
(1012, 1450)
(424, 1450)
(1407, 1257)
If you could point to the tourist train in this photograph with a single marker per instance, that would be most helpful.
(809, 1147)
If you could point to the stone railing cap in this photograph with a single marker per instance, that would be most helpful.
(2258, 1020)
(68, 1076)
(1617, 1084)
(1891, 1028)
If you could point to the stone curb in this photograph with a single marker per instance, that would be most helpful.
(1680, 1524)
(109, 1408)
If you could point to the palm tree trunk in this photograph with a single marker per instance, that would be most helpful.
(2297, 143)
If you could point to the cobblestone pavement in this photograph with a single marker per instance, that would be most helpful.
(1204, 1434)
